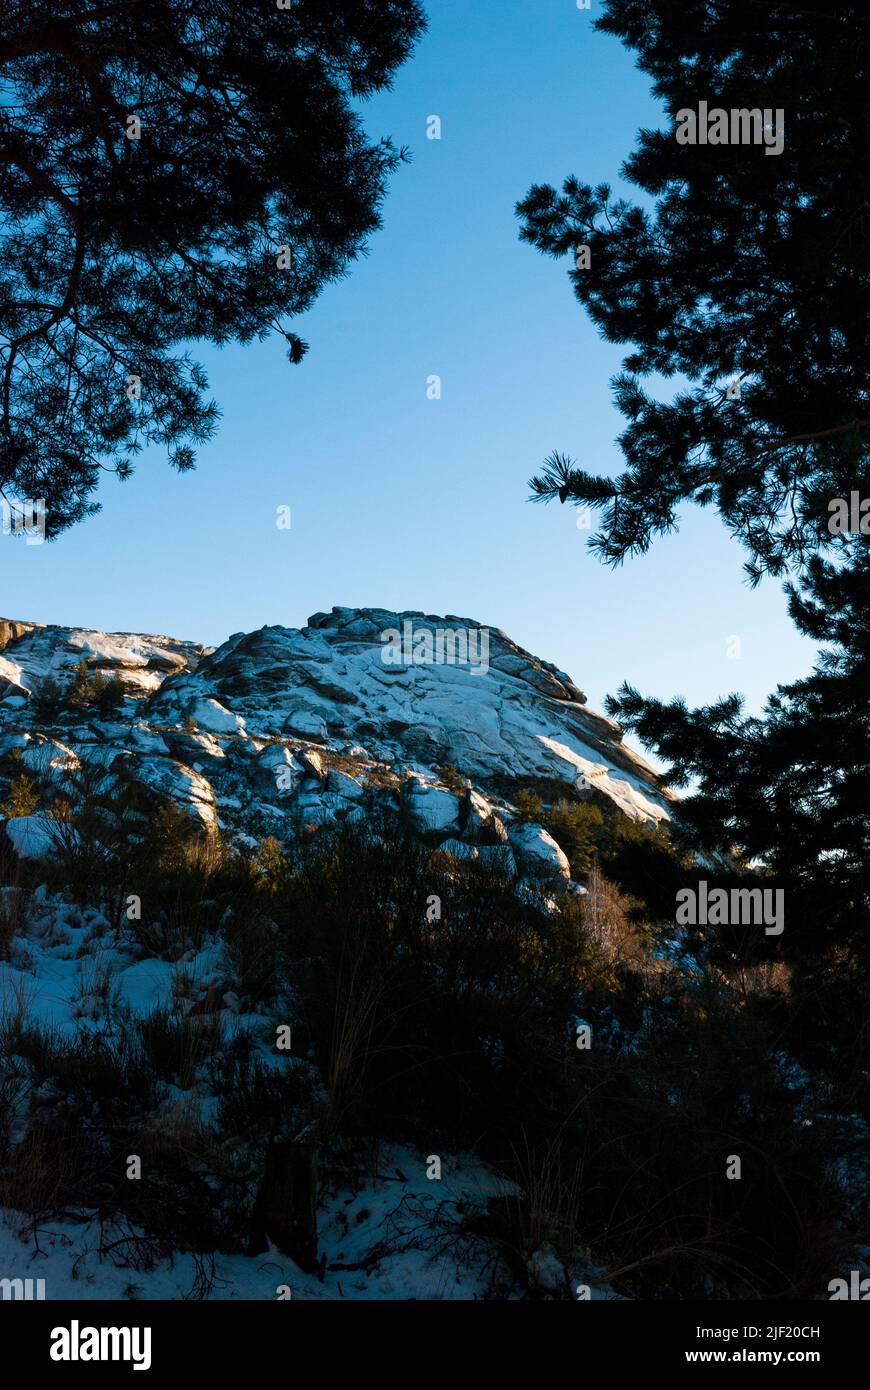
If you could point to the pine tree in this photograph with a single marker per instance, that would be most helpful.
(170, 172)
(80, 690)
(748, 274)
(790, 788)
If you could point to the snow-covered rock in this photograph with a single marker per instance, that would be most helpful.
(181, 784)
(31, 836)
(312, 763)
(211, 715)
(32, 651)
(278, 767)
(278, 713)
(546, 1270)
(344, 785)
(538, 852)
(47, 758)
(195, 749)
(459, 849)
(145, 740)
(431, 808)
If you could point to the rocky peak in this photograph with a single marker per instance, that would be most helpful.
(442, 719)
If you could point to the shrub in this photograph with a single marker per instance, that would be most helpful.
(452, 779)
(579, 828)
(653, 1126)
(250, 950)
(110, 838)
(23, 797)
(453, 1024)
(99, 692)
(176, 1045)
(431, 1003)
(529, 806)
(48, 701)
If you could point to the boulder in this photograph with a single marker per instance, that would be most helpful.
(458, 849)
(277, 768)
(32, 837)
(212, 716)
(182, 784)
(537, 853)
(343, 785)
(312, 763)
(430, 808)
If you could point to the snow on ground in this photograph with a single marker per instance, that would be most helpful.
(194, 727)
(398, 1234)
(398, 1237)
(68, 952)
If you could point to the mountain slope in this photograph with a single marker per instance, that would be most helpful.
(359, 709)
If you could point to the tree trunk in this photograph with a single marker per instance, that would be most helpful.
(285, 1209)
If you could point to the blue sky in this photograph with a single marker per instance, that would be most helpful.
(404, 502)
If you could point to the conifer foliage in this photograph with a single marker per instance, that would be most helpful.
(746, 274)
(743, 272)
(169, 172)
(792, 787)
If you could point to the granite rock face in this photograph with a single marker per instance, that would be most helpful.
(439, 720)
